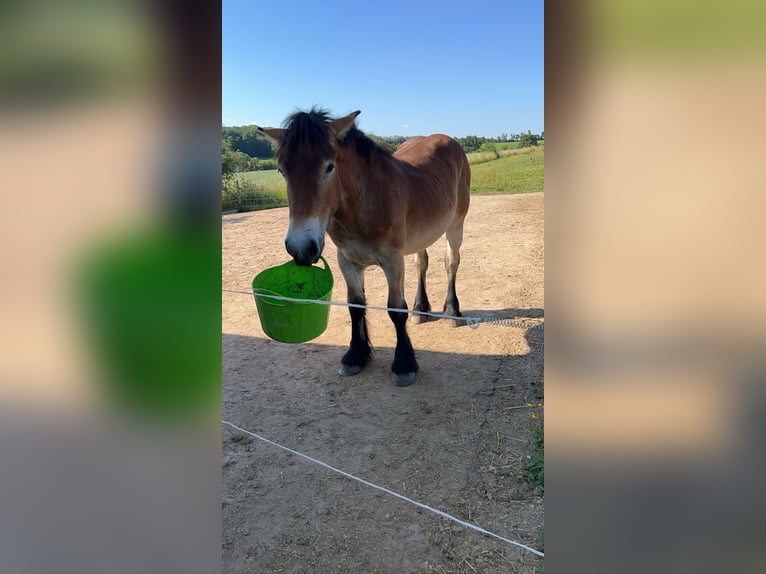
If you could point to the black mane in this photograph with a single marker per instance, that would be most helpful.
(364, 145)
(308, 133)
(304, 133)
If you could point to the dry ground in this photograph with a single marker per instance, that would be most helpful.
(455, 440)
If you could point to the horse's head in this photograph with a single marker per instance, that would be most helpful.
(306, 156)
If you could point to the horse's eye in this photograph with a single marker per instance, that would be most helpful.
(330, 167)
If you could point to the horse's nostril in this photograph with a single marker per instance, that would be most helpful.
(312, 250)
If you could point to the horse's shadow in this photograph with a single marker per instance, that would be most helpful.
(508, 313)
(493, 315)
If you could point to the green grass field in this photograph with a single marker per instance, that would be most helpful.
(254, 190)
(522, 172)
(505, 145)
(476, 157)
(508, 171)
(268, 180)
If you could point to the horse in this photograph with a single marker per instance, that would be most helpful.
(377, 206)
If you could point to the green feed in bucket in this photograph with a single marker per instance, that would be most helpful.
(287, 321)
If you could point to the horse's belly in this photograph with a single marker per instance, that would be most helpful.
(359, 253)
(422, 235)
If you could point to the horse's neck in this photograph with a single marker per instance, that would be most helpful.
(357, 183)
(360, 208)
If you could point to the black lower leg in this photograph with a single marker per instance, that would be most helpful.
(360, 350)
(451, 303)
(404, 356)
(421, 297)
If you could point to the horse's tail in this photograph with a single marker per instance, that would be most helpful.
(464, 184)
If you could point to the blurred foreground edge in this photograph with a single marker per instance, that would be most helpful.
(655, 357)
(110, 135)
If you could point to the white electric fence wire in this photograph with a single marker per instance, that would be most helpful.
(387, 491)
(472, 322)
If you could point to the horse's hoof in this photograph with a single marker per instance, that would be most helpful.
(454, 322)
(403, 380)
(418, 319)
(349, 370)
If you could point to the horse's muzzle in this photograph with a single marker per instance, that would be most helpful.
(305, 240)
(306, 254)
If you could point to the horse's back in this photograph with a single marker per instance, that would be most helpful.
(438, 182)
(425, 149)
(439, 158)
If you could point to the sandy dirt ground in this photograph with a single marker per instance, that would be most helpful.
(457, 440)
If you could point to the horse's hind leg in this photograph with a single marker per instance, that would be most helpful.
(360, 350)
(405, 366)
(421, 298)
(451, 263)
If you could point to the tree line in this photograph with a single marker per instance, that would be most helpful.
(244, 148)
(479, 143)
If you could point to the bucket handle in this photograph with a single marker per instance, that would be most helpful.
(275, 302)
(326, 266)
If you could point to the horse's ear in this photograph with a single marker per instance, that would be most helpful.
(340, 125)
(273, 134)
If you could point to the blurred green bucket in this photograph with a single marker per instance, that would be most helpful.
(288, 321)
(150, 313)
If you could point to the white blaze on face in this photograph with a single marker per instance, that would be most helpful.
(305, 236)
(305, 240)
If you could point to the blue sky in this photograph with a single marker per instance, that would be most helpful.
(412, 67)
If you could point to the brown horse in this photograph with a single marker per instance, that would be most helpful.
(377, 208)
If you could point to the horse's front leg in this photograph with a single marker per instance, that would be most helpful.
(404, 366)
(360, 350)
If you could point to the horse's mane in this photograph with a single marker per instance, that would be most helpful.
(307, 133)
(364, 145)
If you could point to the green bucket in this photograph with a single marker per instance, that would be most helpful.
(288, 321)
